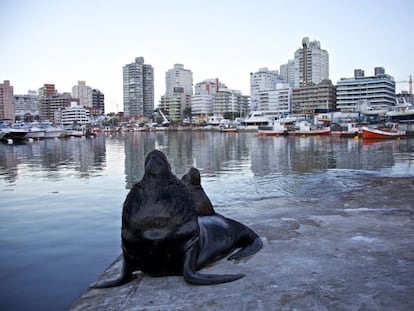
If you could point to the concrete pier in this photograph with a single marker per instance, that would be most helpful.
(349, 250)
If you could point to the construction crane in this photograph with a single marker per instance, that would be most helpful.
(165, 121)
(410, 84)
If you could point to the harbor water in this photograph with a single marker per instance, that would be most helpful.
(61, 199)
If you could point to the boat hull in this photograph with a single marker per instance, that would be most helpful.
(370, 133)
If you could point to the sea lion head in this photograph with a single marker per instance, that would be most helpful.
(192, 177)
(156, 165)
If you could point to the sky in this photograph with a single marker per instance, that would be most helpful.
(62, 42)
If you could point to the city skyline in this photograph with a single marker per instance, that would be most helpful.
(63, 43)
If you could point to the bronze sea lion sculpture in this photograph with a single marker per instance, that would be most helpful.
(203, 204)
(162, 234)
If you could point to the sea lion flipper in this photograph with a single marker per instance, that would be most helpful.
(125, 277)
(191, 276)
(247, 251)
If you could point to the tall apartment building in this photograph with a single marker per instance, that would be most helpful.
(6, 101)
(287, 72)
(98, 102)
(376, 91)
(311, 64)
(178, 77)
(84, 93)
(138, 89)
(262, 80)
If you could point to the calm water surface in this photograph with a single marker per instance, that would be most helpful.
(61, 200)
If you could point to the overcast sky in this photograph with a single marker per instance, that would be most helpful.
(61, 42)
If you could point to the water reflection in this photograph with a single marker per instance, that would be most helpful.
(55, 158)
(212, 153)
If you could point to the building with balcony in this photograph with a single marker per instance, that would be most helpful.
(75, 114)
(313, 99)
(138, 89)
(178, 77)
(262, 80)
(6, 101)
(376, 91)
(84, 93)
(27, 106)
(228, 101)
(275, 102)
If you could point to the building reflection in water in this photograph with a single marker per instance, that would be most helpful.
(55, 158)
(212, 152)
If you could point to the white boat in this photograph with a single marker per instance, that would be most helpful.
(403, 112)
(306, 128)
(255, 119)
(74, 131)
(348, 129)
(14, 131)
(35, 132)
(278, 128)
(51, 131)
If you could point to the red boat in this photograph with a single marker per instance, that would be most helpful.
(389, 131)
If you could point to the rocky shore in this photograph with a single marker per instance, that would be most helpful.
(347, 250)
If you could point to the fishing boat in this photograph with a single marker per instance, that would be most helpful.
(348, 129)
(276, 129)
(305, 128)
(387, 131)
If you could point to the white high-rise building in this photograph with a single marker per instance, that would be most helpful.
(287, 72)
(276, 102)
(178, 77)
(208, 87)
(262, 80)
(377, 91)
(311, 64)
(138, 86)
(84, 93)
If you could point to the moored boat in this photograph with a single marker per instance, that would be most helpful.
(305, 128)
(276, 129)
(349, 129)
(388, 131)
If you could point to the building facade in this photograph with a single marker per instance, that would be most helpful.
(84, 93)
(27, 106)
(276, 102)
(178, 77)
(75, 114)
(287, 72)
(311, 64)
(228, 101)
(262, 80)
(377, 91)
(6, 101)
(98, 101)
(202, 105)
(138, 89)
(208, 87)
(313, 99)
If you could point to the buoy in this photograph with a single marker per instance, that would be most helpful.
(30, 140)
(10, 141)
(356, 137)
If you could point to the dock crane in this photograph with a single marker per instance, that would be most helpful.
(165, 122)
(410, 84)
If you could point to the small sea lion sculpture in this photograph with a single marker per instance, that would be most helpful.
(203, 204)
(162, 234)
